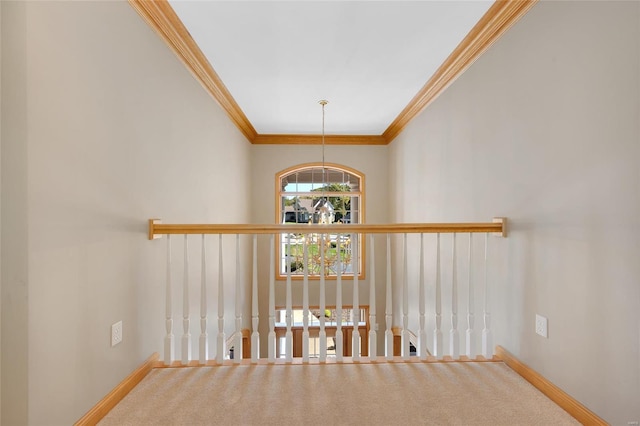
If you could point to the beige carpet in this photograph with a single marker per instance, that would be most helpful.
(337, 394)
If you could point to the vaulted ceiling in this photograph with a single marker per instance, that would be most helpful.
(378, 63)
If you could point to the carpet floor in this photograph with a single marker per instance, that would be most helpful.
(337, 394)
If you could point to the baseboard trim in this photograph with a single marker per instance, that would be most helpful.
(105, 405)
(557, 395)
(554, 393)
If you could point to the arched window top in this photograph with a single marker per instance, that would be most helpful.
(312, 177)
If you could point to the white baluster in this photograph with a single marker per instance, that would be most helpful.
(355, 346)
(237, 345)
(437, 337)
(168, 340)
(272, 301)
(305, 300)
(422, 334)
(388, 348)
(454, 338)
(289, 313)
(204, 349)
(255, 318)
(406, 347)
(186, 335)
(373, 338)
(487, 338)
(323, 304)
(339, 335)
(471, 347)
(220, 347)
(373, 322)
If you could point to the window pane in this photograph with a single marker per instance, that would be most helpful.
(317, 197)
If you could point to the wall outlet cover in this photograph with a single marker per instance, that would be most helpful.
(116, 333)
(541, 326)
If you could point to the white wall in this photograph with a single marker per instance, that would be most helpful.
(544, 129)
(102, 128)
(266, 161)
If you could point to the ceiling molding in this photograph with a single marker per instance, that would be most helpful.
(317, 140)
(162, 18)
(498, 19)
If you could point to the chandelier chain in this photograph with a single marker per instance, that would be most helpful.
(324, 182)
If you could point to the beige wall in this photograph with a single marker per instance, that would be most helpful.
(102, 128)
(266, 161)
(544, 129)
(14, 206)
(0, 214)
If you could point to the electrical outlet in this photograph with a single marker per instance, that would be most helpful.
(541, 326)
(116, 333)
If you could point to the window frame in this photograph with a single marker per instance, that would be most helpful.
(361, 217)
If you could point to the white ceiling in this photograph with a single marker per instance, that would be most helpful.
(368, 58)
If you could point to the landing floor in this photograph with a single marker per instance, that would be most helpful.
(453, 393)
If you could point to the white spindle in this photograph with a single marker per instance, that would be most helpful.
(373, 339)
(168, 340)
(323, 304)
(437, 336)
(339, 336)
(289, 334)
(255, 318)
(471, 349)
(422, 334)
(454, 338)
(272, 301)
(406, 351)
(186, 335)
(355, 346)
(487, 338)
(388, 344)
(237, 345)
(305, 301)
(204, 350)
(220, 347)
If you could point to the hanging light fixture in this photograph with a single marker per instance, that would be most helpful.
(323, 209)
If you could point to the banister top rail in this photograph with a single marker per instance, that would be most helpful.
(157, 229)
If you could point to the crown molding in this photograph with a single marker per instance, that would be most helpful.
(317, 140)
(163, 19)
(498, 19)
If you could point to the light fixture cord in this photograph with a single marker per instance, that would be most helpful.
(324, 181)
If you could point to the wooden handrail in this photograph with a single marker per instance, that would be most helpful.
(157, 229)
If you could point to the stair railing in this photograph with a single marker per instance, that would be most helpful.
(358, 232)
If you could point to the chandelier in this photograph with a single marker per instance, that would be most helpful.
(335, 249)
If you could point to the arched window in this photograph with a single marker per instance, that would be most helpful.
(310, 194)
